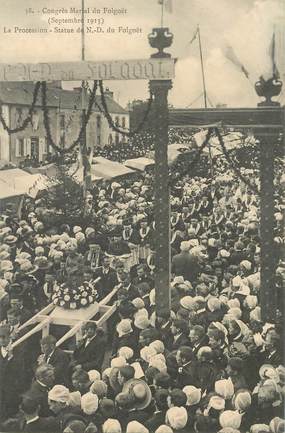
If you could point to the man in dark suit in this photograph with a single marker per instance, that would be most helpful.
(55, 357)
(161, 407)
(117, 246)
(11, 374)
(91, 349)
(273, 348)
(44, 379)
(187, 371)
(17, 303)
(33, 422)
(179, 329)
(185, 264)
(198, 338)
(143, 276)
(108, 277)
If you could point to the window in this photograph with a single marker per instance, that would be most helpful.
(35, 148)
(98, 122)
(19, 116)
(62, 121)
(35, 121)
(46, 149)
(123, 122)
(117, 123)
(20, 147)
(5, 113)
(98, 140)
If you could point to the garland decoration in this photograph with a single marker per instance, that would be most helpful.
(74, 298)
(107, 115)
(28, 119)
(84, 121)
(198, 154)
(233, 164)
(202, 147)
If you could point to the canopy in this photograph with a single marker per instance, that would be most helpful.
(32, 184)
(111, 170)
(139, 163)
(20, 182)
(6, 191)
(101, 160)
(9, 176)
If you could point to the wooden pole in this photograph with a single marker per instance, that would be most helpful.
(268, 140)
(160, 89)
(161, 198)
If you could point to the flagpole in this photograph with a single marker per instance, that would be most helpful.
(162, 13)
(205, 95)
(83, 31)
(83, 144)
(202, 68)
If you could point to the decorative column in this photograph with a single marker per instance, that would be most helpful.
(268, 139)
(161, 38)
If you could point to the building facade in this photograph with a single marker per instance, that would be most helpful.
(64, 107)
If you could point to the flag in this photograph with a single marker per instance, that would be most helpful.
(231, 55)
(194, 36)
(167, 5)
(272, 54)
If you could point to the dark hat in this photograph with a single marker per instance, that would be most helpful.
(126, 309)
(160, 397)
(15, 289)
(107, 406)
(236, 363)
(127, 371)
(178, 397)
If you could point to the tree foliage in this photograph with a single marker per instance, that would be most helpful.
(65, 197)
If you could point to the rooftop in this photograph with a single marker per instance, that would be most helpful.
(21, 93)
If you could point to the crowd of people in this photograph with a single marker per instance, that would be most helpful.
(213, 365)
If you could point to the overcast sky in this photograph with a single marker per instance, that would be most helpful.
(246, 25)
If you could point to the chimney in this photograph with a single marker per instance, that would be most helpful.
(109, 93)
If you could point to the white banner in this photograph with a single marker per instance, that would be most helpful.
(151, 69)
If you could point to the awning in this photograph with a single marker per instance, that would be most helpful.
(7, 192)
(139, 163)
(32, 184)
(111, 170)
